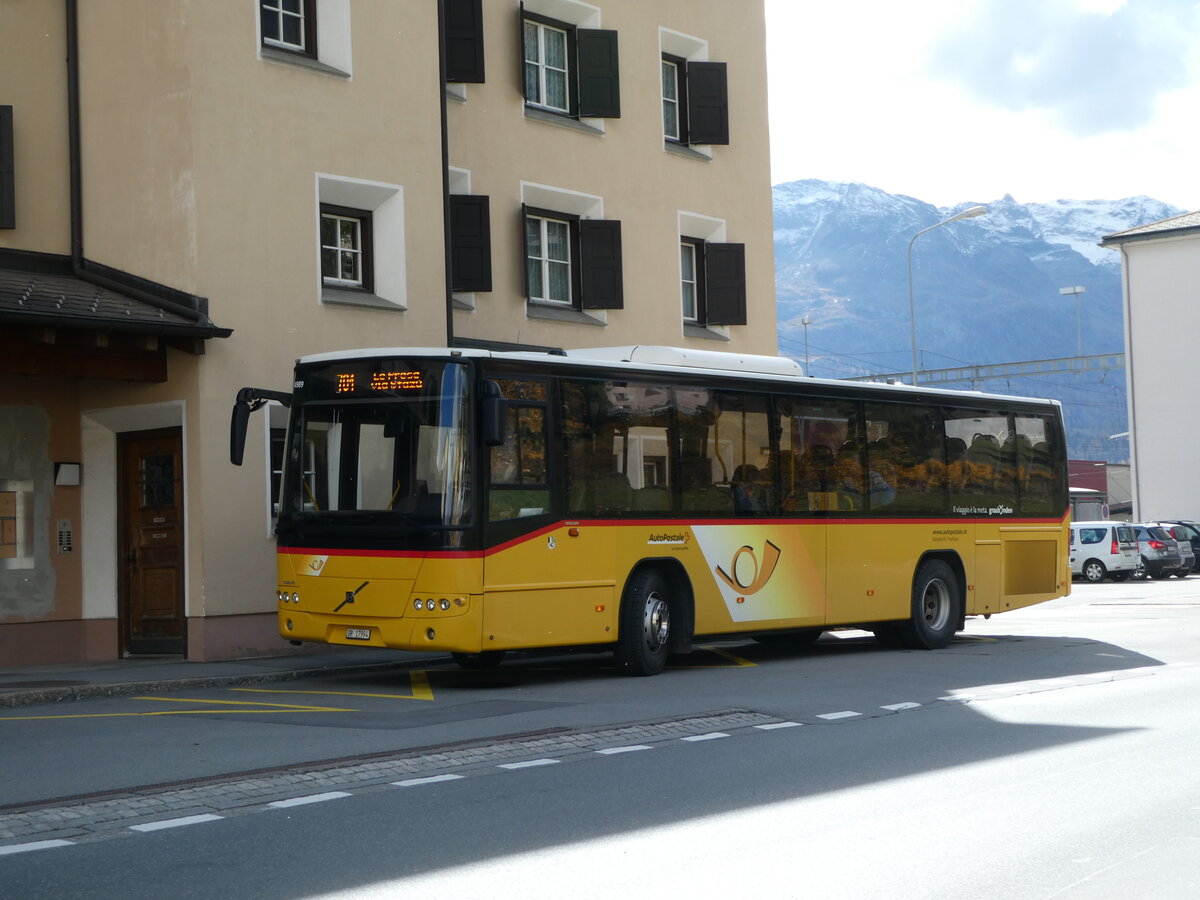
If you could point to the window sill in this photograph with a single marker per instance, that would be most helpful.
(343, 297)
(562, 120)
(463, 300)
(535, 310)
(691, 330)
(685, 151)
(274, 54)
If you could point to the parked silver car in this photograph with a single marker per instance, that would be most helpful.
(1186, 554)
(1103, 549)
(1160, 551)
(1187, 530)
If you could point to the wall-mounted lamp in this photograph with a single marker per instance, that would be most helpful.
(67, 474)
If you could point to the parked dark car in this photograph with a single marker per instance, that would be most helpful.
(1189, 530)
(1160, 551)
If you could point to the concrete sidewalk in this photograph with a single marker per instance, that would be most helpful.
(79, 681)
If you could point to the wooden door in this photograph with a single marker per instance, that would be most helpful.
(150, 543)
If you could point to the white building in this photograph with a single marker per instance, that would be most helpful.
(1161, 283)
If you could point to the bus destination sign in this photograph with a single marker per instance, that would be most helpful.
(355, 382)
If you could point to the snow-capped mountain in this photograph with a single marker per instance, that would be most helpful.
(985, 290)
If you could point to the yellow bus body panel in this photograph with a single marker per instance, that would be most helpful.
(562, 586)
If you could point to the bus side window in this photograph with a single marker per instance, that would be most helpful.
(519, 482)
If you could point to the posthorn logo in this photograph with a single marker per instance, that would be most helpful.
(748, 576)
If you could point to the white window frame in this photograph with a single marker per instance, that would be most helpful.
(688, 248)
(282, 15)
(543, 67)
(672, 101)
(356, 248)
(544, 261)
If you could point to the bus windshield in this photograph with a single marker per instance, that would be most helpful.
(382, 441)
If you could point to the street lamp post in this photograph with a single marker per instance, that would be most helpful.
(968, 213)
(806, 321)
(1076, 290)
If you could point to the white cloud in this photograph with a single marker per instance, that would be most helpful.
(954, 101)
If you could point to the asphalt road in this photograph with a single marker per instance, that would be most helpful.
(1049, 753)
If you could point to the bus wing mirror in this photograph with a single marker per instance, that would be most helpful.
(248, 400)
(495, 415)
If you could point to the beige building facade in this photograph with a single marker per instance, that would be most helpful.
(188, 205)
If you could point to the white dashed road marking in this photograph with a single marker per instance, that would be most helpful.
(430, 779)
(528, 764)
(175, 823)
(33, 845)
(711, 736)
(311, 798)
(609, 751)
(844, 714)
(771, 726)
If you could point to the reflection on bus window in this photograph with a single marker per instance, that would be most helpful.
(519, 480)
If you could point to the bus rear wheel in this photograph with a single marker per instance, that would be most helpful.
(937, 607)
(644, 628)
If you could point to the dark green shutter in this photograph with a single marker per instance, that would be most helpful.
(470, 243)
(8, 202)
(708, 103)
(464, 41)
(599, 75)
(725, 284)
(600, 264)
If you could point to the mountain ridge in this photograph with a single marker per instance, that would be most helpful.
(985, 290)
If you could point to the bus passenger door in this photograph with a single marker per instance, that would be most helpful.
(548, 580)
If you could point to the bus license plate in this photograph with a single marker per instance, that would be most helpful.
(358, 634)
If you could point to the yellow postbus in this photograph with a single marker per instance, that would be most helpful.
(639, 498)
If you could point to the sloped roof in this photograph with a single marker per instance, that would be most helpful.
(1161, 228)
(42, 290)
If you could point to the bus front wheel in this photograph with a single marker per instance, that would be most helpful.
(937, 607)
(644, 629)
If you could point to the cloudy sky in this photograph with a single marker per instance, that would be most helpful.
(967, 100)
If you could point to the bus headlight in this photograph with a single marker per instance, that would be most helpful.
(418, 605)
(444, 604)
(295, 597)
(430, 605)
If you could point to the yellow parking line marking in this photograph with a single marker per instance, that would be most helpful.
(272, 707)
(177, 712)
(419, 680)
(738, 662)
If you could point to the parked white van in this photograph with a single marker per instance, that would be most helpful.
(1100, 549)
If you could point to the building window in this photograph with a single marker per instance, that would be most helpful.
(691, 267)
(695, 92)
(674, 99)
(290, 25)
(548, 259)
(346, 250)
(569, 70)
(572, 262)
(546, 71)
(712, 279)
